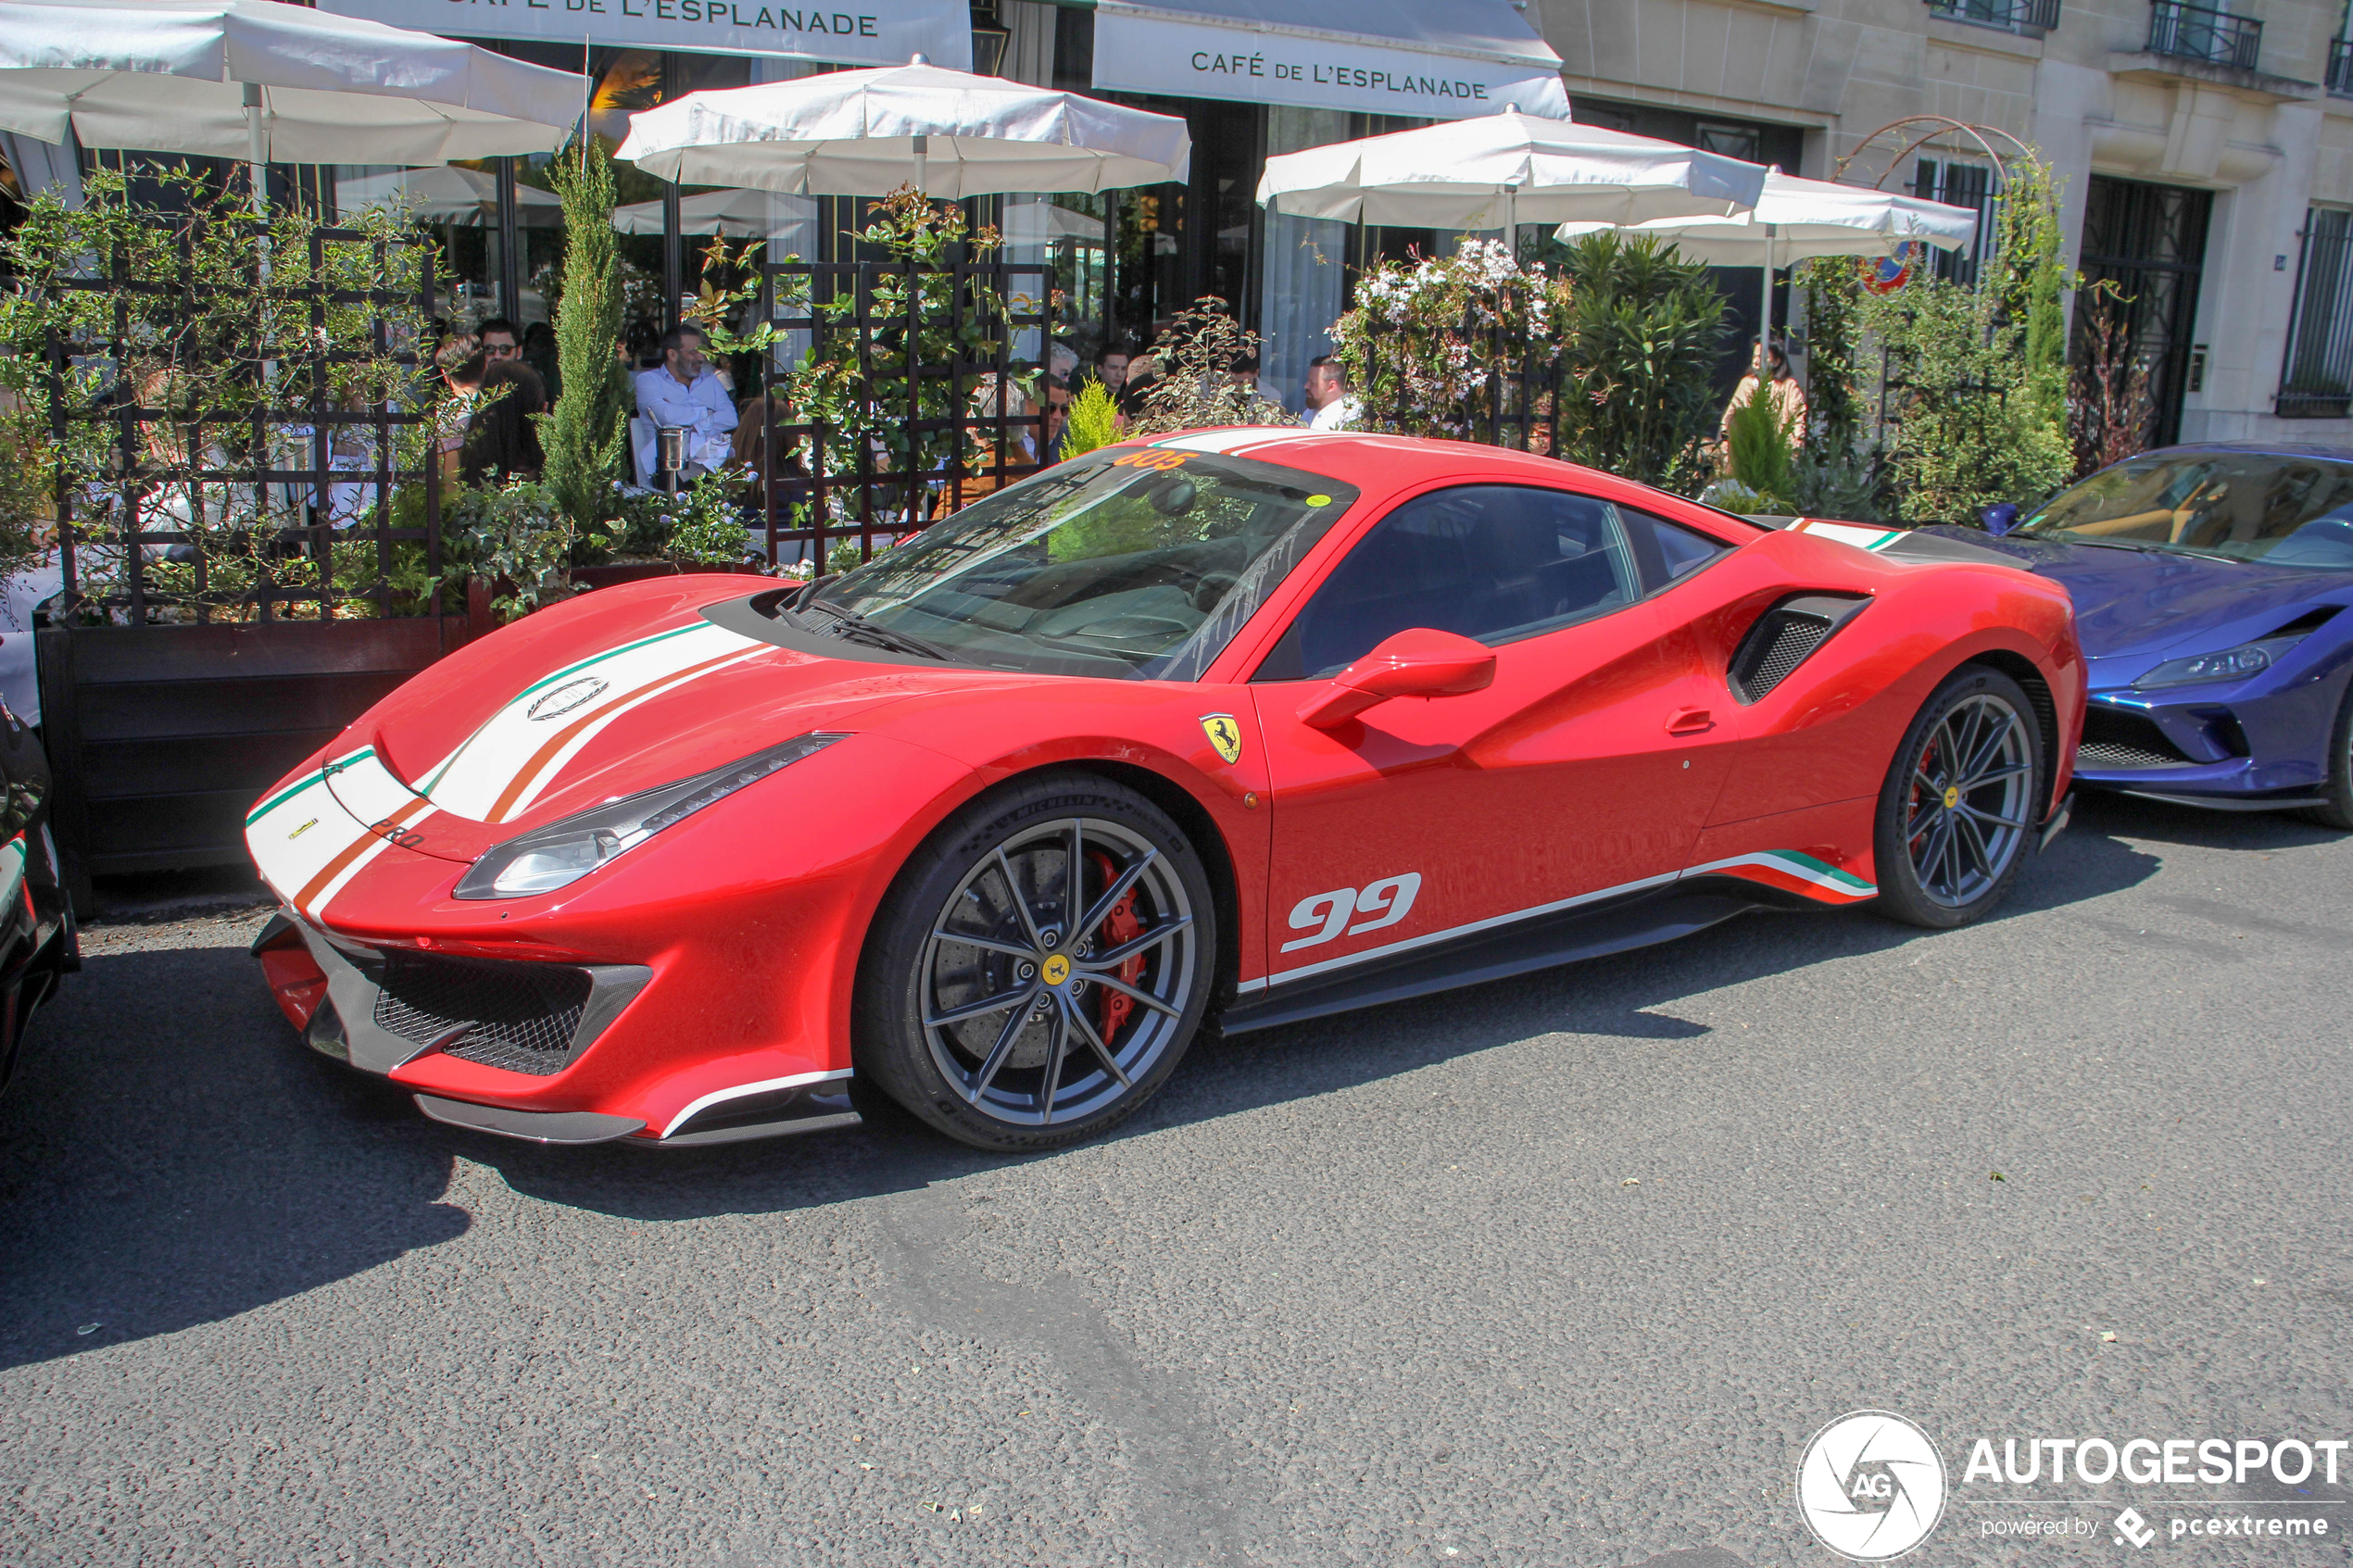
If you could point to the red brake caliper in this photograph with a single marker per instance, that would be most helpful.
(1120, 926)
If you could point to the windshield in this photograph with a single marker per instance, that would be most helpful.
(1137, 564)
(2239, 506)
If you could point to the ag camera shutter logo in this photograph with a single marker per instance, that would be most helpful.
(1871, 1485)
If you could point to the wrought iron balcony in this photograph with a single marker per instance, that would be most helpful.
(2339, 80)
(2011, 15)
(2201, 33)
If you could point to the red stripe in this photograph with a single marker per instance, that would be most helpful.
(352, 851)
(540, 759)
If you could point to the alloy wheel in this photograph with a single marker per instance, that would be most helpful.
(1967, 802)
(1058, 972)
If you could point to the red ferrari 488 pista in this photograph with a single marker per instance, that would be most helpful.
(1243, 727)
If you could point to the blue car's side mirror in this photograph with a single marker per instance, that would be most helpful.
(2000, 518)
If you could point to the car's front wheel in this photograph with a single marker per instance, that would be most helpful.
(1038, 966)
(1958, 810)
(2338, 792)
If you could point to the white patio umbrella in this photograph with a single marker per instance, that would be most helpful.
(268, 83)
(863, 133)
(1796, 220)
(467, 197)
(1505, 168)
(744, 214)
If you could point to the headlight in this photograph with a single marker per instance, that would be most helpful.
(562, 853)
(2230, 664)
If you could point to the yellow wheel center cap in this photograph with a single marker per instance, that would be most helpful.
(1057, 969)
(1952, 796)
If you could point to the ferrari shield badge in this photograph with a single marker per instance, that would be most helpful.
(1224, 735)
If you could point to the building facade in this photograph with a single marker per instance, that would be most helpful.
(2204, 154)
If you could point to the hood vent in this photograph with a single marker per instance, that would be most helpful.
(2310, 620)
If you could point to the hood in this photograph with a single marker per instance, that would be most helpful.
(2144, 605)
(564, 729)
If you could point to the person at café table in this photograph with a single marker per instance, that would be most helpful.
(502, 344)
(684, 390)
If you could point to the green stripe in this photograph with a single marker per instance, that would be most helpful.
(1824, 867)
(292, 790)
(426, 788)
(609, 653)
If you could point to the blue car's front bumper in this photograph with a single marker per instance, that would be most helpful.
(2257, 745)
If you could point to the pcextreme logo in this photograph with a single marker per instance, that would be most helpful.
(1870, 1486)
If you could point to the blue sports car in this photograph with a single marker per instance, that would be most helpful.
(2211, 585)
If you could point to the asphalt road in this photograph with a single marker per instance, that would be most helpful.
(1561, 1270)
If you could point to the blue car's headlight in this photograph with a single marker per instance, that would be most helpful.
(2230, 664)
(562, 853)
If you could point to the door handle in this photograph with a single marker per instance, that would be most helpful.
(1691, 721)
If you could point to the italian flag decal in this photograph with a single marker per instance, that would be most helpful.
(1793, 872)
(308, 843)
(1862, 538)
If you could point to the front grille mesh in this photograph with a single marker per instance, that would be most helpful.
(520, 1017)
(2125, 740)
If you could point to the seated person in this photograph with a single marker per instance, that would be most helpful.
(500, 440)
(685, 391)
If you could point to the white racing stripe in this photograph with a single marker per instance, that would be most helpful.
(473, 779)
(294, 834)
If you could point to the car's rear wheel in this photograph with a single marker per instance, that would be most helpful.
(2339, 812)
(1039, 967)
(1957, 810)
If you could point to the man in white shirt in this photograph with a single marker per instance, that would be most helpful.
(684, 390)
(1329, 405)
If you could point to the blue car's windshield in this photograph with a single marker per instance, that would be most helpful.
(2239, 506)
(1134, 563)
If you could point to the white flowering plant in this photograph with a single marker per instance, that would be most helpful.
(1431, 341)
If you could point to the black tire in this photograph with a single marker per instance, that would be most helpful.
(1088, 1041)
(2338, 812)
(1956, 814)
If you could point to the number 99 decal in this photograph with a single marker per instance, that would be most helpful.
(1326, 915)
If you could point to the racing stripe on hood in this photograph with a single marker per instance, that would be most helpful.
(506, 763)
(1793, 872)
(550, 760)
(298, 832)
(353, 858)
(1857, 535)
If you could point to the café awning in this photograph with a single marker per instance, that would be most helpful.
(1433, 59)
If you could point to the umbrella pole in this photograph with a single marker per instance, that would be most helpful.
(257, 152)
(1765, 319)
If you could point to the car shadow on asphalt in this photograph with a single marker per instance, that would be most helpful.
(1614, 997)
(170, 1156)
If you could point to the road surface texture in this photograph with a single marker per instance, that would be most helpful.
(1560, 1271)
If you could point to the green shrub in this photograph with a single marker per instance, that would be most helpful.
(1759, 437)
(1093, 421)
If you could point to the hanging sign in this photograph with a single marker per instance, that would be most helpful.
(1887, 273)
(1196, 58)
(874, 32)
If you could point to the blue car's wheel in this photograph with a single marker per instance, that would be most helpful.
(2338, 812)
(1958, 808)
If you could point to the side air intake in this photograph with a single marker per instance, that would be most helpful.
(1784, 637)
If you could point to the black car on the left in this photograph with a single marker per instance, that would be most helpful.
(38, 942)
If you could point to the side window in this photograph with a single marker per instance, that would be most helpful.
(1493, 562)
(1666, 551)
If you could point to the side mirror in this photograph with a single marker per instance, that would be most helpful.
(1416, 662)
(1999, 520)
